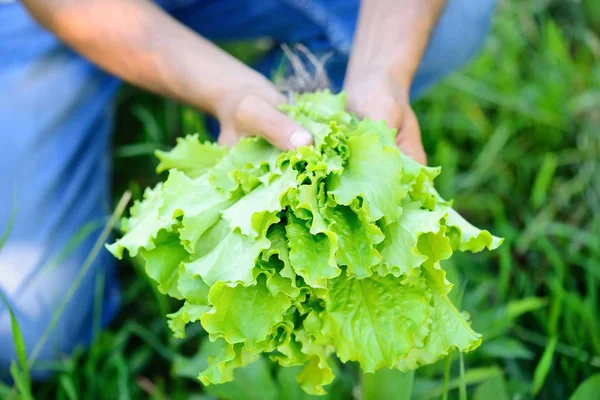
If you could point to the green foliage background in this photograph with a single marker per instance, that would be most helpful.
(518, 136)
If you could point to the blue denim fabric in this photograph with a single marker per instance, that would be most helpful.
(55, 121)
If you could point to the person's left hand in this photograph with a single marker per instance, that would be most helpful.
(374, 94)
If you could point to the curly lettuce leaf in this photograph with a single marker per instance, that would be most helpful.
(190, 156)
(188, 313)
(162, 263)
(312, 256)
(372, 173)
(465, 237)
(449, 330)
(376, 320)
(196, 201)
(143, 225)
(357, 238)
(232, 260)
(244, 314)
(244, 165)
(399, 249)
(255, 212)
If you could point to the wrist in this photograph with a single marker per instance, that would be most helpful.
(366, 78)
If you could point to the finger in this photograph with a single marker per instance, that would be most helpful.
(409, 137)
(256, 116)
(227, 137)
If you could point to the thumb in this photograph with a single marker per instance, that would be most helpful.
(256, 116)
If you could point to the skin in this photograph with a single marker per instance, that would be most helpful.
(389, 44)
(138, 42)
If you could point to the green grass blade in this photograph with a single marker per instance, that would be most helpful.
(543, 180)
(447, 369)
(5, 391)
(137, 150)
(462, 388)
(151, 127)
(68, 387)
(471, 377)
(20, 347)
(11, 221)
(589, 389)
(543, 367)
(21, 381)
(80, 275)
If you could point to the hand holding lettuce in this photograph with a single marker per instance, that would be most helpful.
(328, 250)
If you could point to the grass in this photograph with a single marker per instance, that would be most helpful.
(518, 136)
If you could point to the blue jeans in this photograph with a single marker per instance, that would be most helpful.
(56, 113)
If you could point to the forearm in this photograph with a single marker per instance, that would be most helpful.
(392, 37)
(137, 41)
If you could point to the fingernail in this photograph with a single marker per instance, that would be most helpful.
(301, 138)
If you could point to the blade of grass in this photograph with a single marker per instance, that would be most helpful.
(506, 266)
(589, 389)
(137, 150)
(123, 377)
(543, 180)
(82, 272)
(560, 267)
(5, 391)
(576, 353)
(447, 368)
(20, 347)
(151, 126)
(11, 221)
(473, 376)
(68, 387)
(462, 388)
(21, 382)
(487, 158)
(543, 367)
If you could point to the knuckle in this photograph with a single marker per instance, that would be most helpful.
(246, 108)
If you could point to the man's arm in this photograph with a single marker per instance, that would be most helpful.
(140, 43)
(389, 44)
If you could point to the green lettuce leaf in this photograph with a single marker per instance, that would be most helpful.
(143, 225)
(232, 260)
(376, 320)
(465, 237)
(255, 212)
(186, 314)
(190, 156)
(357, 238)
(196, 201)
(399, 248)
(244, 314)
(312, 256)
(449, 330)
(162, 263)
(373, 172)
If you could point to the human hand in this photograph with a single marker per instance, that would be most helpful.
(202, 75)
(252, 109)
(374, 94)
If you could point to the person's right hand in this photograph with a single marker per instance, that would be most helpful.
(252, 109)
(148, 48)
